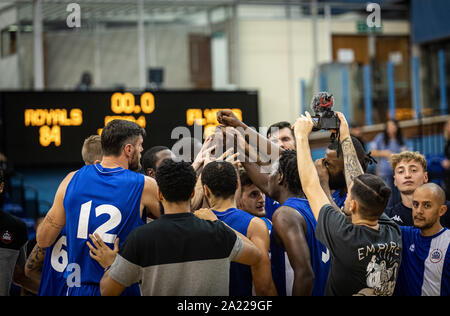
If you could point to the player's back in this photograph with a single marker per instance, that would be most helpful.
(103, 201)
(53, 282)
(282, 271)
(240, 274)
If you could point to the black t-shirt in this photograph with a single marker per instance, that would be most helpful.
(178, 254)
(402, 215)
(364, 261)
(13, 232)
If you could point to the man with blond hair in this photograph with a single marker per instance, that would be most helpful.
(92, 152)
(410, 172)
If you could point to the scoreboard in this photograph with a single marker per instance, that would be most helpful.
(48, 128)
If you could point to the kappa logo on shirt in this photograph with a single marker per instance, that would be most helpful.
(6, 237)
(397, 219)
(412, 248)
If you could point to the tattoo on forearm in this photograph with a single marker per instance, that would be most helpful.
(351, 163)
(52, 222)
(36, 259)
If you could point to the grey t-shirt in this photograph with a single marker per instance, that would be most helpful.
(364, 261)
(178, 255)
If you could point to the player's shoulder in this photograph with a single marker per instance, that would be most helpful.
(149, 183)
(67, 179)
(286, 215)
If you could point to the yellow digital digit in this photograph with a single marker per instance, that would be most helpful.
(117, 103)
(147, 102)
(49, 135)
(44, 136)
(56, 135)
(128, 102)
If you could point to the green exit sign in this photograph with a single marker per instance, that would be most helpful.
(363, 28)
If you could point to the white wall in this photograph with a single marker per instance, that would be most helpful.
(275, 54)
(8, 65)
(69, 53)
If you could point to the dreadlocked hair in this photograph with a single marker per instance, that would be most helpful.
(288, 168)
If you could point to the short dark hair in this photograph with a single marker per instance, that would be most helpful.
(176, 180)
(372, 195)
(117, 133)
(149, 158)
(221, 178)
(364, 158)
(279, 125)
(289, 169)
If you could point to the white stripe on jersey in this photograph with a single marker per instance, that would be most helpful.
(434, 265)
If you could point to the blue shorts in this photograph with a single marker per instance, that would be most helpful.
(94, 290)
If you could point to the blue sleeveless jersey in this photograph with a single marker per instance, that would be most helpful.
(105, 201)
(53, 282)
(282, 273)
(268, 223)
(240, 274)
(270, 206)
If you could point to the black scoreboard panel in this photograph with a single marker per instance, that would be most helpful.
(48, 128)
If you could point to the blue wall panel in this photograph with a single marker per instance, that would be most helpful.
(430, 20)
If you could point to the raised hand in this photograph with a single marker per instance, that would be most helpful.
(344, 130)
(228, 118)
(207, 147)
(303, 125)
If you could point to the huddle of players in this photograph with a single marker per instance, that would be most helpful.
(290, 249)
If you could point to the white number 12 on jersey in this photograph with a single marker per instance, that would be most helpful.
(115, 217)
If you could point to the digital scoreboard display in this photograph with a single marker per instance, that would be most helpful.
(48, 128)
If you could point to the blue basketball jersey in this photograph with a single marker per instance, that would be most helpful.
(53, 282)
(271, 206)
(240, 275)
(282, 272)
(268, 224)
(425, 265)
(338, 198)
(101, 200)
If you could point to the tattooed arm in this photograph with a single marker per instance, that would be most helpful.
(55, 220)
(352, 166)
(35, 261)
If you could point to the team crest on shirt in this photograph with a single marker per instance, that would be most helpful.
(436, 256)
(6, 237)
